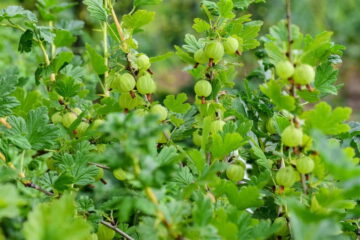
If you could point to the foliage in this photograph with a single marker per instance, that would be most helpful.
(88, 155)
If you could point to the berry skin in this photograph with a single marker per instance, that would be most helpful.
(160, 111)
(97, 123)
(164, 138)
(292, 136)
(197, 138)
(200, 56)
(284, 69)
(284, 229)
(81, 129)
(77, 111)
(214, 50)
(143, 62)
(217, 126)
(231, 45)
(235, 173)
(286, 177)
(105, 233)
(305, 165)
(203, 88)
(56, 118)
(127, 102)
(119, 174)
(100, 174)
(68, 119)
(146, 85)
(123, 83)
(270, 126)
(304, 74)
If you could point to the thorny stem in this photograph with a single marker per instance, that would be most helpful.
(119, 231)
(288, 23)
(34, 186)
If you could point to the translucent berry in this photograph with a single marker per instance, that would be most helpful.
(214, 50)
(143, 62)
(284, 69)
(146, 85)
(286, 176)
(292, 136)
(235, 173)
(231, 45)
(203, 88)
(68, 119)
(200, 57)
(123, 83)
(160, 111)
(217, 126)
(304, 74)
(305, 165)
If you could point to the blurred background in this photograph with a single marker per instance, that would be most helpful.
(174, 20)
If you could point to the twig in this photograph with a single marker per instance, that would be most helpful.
(99, 165)
(304, 185)
(289, 22)
(119, 231)
(34, 186)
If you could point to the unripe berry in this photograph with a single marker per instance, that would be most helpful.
(56, 118)
(197, 138)
(100, 174)
(97, 123)
(143, 62)
(160, 111)
(203, 88)
(105, 233)
(231, 45)
(127, 102)
(292, 136)
(283, 226)
(305, 165)
(304, 74)
(235, 173)
(270, 126)
(146, 85)
(68, 119)
(217, 126)
(286, 177)
(123, 83)
(119, 174)
(284, 69)
(77, 111)
(200, 57)
(140, 112)
(214, 50)
(81, 128)
(164, 138)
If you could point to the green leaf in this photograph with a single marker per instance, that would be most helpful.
(60, 212)
(64, 38)
(17, 12)
(326, 76)
(97, 61)
(35, 133)
(7, 83)
(273, 90)
(249, 33)
(67, 87)
(222, 146)
(192, 44)
(314, 119)
(60, 60)
(138, 19)
(138, 3)
(248, 197)
(225, 8)
(96, 9)
(28, 101)
(200, 25)
(26, 41)
(10, 201)
(161, 57)
(184, 56)
(176, 103)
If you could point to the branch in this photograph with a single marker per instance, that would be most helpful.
(289, 22)
(119, 231)
(34, 186)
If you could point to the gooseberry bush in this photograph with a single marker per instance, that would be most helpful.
(89, 150)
